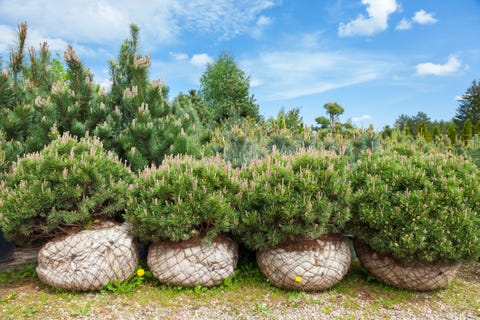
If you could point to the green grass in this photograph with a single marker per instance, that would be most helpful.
(23, 296)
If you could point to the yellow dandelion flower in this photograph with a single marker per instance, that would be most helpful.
(116, 271)
(298, 279)
(140, 272)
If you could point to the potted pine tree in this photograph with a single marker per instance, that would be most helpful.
(292, 212)
(415, 216)
(69, 196)
(182, 207)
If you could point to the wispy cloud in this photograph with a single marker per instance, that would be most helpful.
(179, 56)
(362, 118)
(280, 75)
(453, 65)
(7, 37)
(404, 24)
(106, 21)
(181, 68)
(262, 23)
(377, 20)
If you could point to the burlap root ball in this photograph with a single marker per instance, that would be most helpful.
(191, 263)
(421, 276)
(89, 259)
(309, 265)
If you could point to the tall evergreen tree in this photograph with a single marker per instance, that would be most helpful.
(436, 132)
(424, 132)
(452, 134)
(476, 129)
(144, 126)
(225, 90)
(467, 131)
(469, 105)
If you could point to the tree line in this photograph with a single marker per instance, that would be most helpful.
(42, 97)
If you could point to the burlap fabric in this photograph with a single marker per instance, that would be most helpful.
(306, 265)
(191, 263)
(419, 276)
(89, 259)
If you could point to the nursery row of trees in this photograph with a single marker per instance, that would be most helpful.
(41, 97)
(407, 191)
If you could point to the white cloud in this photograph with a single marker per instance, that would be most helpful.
(404, 24)
(281, 75)
(362, 118)
(422, 17)
(396, 77)
(377, 20)
(264, 21)
(453, 65)
(7, 37)
(179, 56)
(107, 21)
(200, 60)
(97, 21)
(255, 82)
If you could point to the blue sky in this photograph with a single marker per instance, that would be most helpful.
(377, 58)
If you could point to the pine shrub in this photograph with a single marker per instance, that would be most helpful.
(417, 206)
(68, 184)
(292, 197)
(181, 199)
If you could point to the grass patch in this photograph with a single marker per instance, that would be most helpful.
(23, 272)
(248, 293)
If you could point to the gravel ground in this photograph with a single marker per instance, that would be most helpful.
(358, 299)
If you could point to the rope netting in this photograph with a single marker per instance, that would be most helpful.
(420, 276)
(89, 259)
(313, 265)
(192, 263)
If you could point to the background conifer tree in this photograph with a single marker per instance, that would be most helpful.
(225, 91)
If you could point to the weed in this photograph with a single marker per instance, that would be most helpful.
(83, 311)
(129, 285)
(327, 309)
(262, 307)
(30, 312)
(24, 271)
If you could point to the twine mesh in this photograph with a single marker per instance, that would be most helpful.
(316, 266)
(419, 276)
(192, 263)
(89, 259)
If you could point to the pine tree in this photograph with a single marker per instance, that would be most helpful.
(436, 132)
(423, 132)
(452, 134)
(144, 127)
(225, 91)
(17, 54)
(408, 132)
(469, 105)
(467, 131)
(476, 130)
(7, 95)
